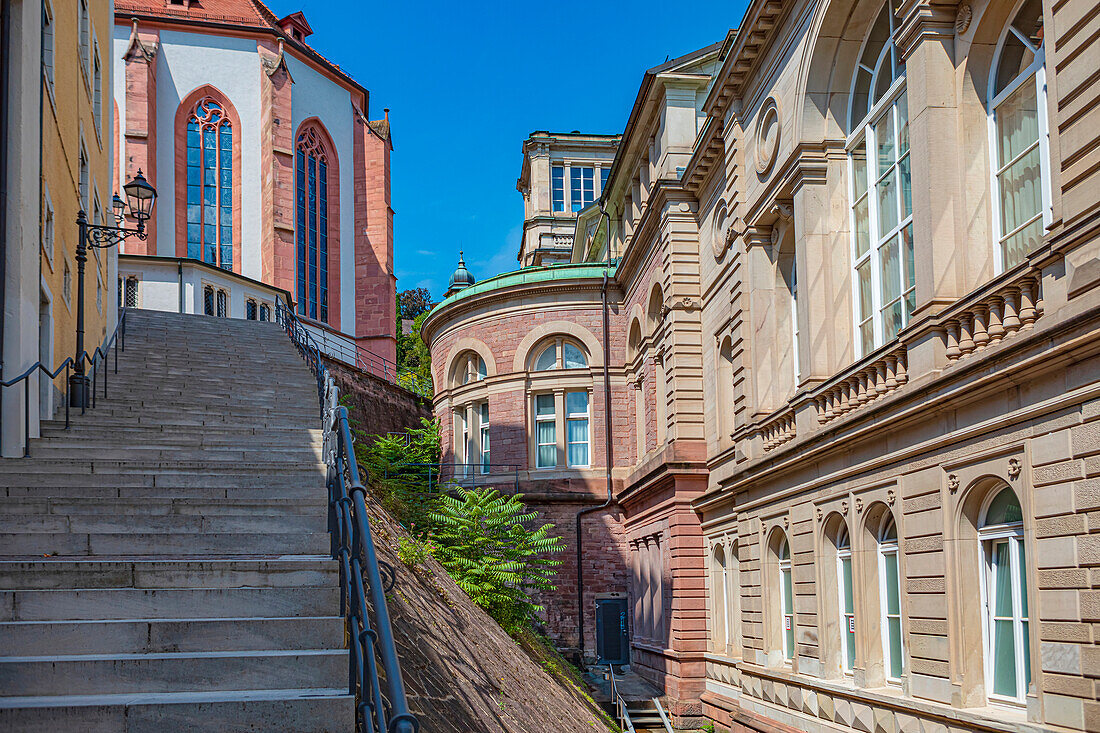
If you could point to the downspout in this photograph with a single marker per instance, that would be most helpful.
(608, 450)
(179, 275)
(5, 105)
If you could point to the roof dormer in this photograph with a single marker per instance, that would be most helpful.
(296, 26)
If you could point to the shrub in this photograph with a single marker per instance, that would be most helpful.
(486, 546)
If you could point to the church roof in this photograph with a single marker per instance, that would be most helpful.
(250, 15)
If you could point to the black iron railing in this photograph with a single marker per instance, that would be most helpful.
(447, 476)
(368, 625)
(96, 361)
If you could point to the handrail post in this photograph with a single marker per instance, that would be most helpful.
(26, 418)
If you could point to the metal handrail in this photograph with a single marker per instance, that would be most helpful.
(664, 717)
(352, 544)
(100, 352)
(621, 711)
(465, 475)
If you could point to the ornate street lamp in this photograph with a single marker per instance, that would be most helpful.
(141, 196)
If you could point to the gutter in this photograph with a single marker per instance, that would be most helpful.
(608, 449)
(5, 105)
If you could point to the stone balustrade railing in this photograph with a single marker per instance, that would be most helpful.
(777, 430)
(563, 240)
(865, 384)
(1012, 308)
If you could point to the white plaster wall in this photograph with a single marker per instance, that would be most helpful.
(159, 283)
(314, 95)
(118, 45)
(186, 61)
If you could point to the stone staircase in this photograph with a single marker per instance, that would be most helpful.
(164, 563)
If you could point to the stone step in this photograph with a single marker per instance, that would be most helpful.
(183, 544)
(172, 603)
(90, 674)
(161, 468)
(166, 506)
(168, 573)
(156, 453)
(308, 710)
(311, 491)
(137, 524)
(145, 636)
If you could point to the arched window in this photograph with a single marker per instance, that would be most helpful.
(571, 356)
(786, 598)
(131, 300)
(265, 312)
(846, 598)
(223, 304)
(208, 300)
(469, 368)
(881, 189)
(311, 196)
(250, 309)
(719, 600)
(1004, 586)
(893, 651)
(1018, 131)
(210, 184)
(725, 403)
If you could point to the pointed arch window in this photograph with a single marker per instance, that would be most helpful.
(210, 184)
(312, 235)
(1004, 586)
(1018, 134)
(880, 184)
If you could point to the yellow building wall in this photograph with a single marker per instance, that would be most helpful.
(70, 123)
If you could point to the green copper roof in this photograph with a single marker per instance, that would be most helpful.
(546, 273)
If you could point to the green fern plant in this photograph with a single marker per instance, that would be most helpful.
(484, 542)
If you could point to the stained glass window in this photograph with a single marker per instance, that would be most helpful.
(311, 184)
(210, 185)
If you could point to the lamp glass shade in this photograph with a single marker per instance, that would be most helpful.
(119, 206)
(141, 196)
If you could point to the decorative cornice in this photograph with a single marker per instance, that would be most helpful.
(922, 21)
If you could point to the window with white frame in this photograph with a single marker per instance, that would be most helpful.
(85, 39)
(1018, 134)
(571, 356)
(582, 186)
(576, 428)
(483, 427)
(470, 368)
(786, 598)
(557, 187)
(48, 44)
(47, 222)
(791, 276)
(846, 599)
(881, 190)
(893, 649)
(546, 432)
(1004, 596)
(67, 283)
(604, 172)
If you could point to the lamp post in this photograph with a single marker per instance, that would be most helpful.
(141, 196)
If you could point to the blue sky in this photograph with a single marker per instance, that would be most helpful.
(466, 83)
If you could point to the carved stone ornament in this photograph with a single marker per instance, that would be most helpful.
(891, 497)
(963, 18)
(786, 522)
(1014, 467)
(953, 483)
(859, 505)
(767, 135)
(720, 237)
(844, 508)
(820, 514)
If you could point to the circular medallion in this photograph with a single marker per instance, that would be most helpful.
(767, 135)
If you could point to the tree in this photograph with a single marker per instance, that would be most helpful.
(411, 303)
(485, 543)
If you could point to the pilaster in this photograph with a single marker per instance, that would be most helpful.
(140, 62)
(277, 263)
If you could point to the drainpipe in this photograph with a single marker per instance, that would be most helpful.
(608, 450)
(5, 105)
(179, 275)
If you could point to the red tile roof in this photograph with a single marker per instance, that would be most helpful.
(248, 13)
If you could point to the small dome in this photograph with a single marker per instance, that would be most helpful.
(461, 277)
